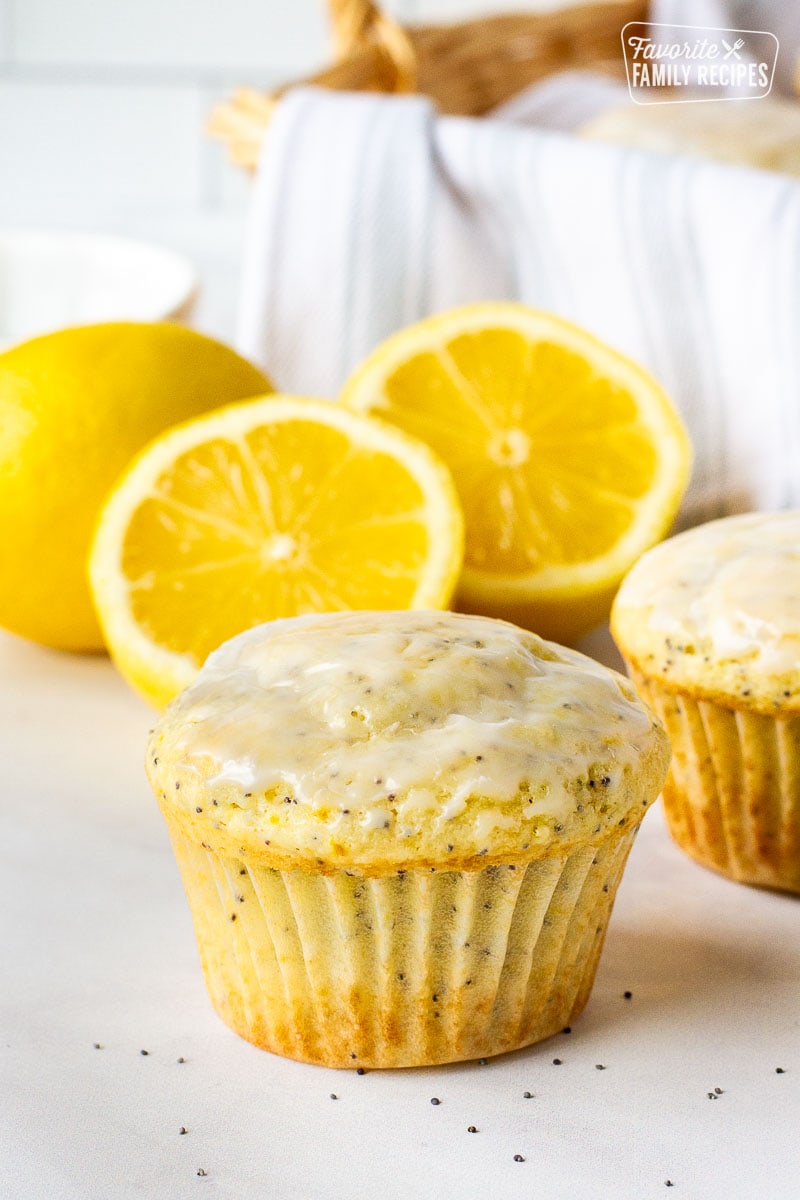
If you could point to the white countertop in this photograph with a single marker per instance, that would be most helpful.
(97, 946)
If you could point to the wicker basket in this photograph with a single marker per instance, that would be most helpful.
(465, 69)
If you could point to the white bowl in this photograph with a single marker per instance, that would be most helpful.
(50, 279)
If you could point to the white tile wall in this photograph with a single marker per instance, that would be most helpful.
(261, 37)
(72, 146)
(103, 103)
(5, 30)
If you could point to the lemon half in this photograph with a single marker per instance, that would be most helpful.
(270, 508)
(569, 459)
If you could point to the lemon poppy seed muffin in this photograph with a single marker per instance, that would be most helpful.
(401, 833)
(709, 623)
(765, 135)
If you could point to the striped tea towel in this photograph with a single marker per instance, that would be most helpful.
(370, 212)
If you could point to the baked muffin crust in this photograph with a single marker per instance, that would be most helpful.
(378, 741)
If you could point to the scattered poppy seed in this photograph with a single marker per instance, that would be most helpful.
(483, 1062)
(556, 1062)
(181, 1059)
(183, 1129)
(627, 995)
(360, 1071)
(144, 1052)
(435, 1100)
(780, 1071)
(668, 1183)
(201, 1171)
(198, 808)
(518, 1158)
(527, 1095)
(334, 1096)
(471, 1129)
(599, 1067)
(177, 786)
(97, 1046)
(567, 1029)
(718, 1091)
(712, 1095)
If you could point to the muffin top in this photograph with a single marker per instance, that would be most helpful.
(378, 740)
(763, 135)
(716, 611)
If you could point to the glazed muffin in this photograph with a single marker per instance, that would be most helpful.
(709, 623)
(765, 135)
(401, 833)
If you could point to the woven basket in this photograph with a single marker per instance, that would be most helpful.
(465, 69)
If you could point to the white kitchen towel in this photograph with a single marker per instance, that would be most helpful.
(370, 212)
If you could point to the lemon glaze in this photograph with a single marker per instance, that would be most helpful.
(402, 737)
(717, 609)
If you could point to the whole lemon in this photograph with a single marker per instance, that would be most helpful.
(75, 406)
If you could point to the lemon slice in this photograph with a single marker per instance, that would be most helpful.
(569, 459)
(268, 508)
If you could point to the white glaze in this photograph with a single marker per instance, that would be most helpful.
(730, 588)
(407, 717)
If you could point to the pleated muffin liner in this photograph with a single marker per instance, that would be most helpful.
(418, 967)
(732, 797)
